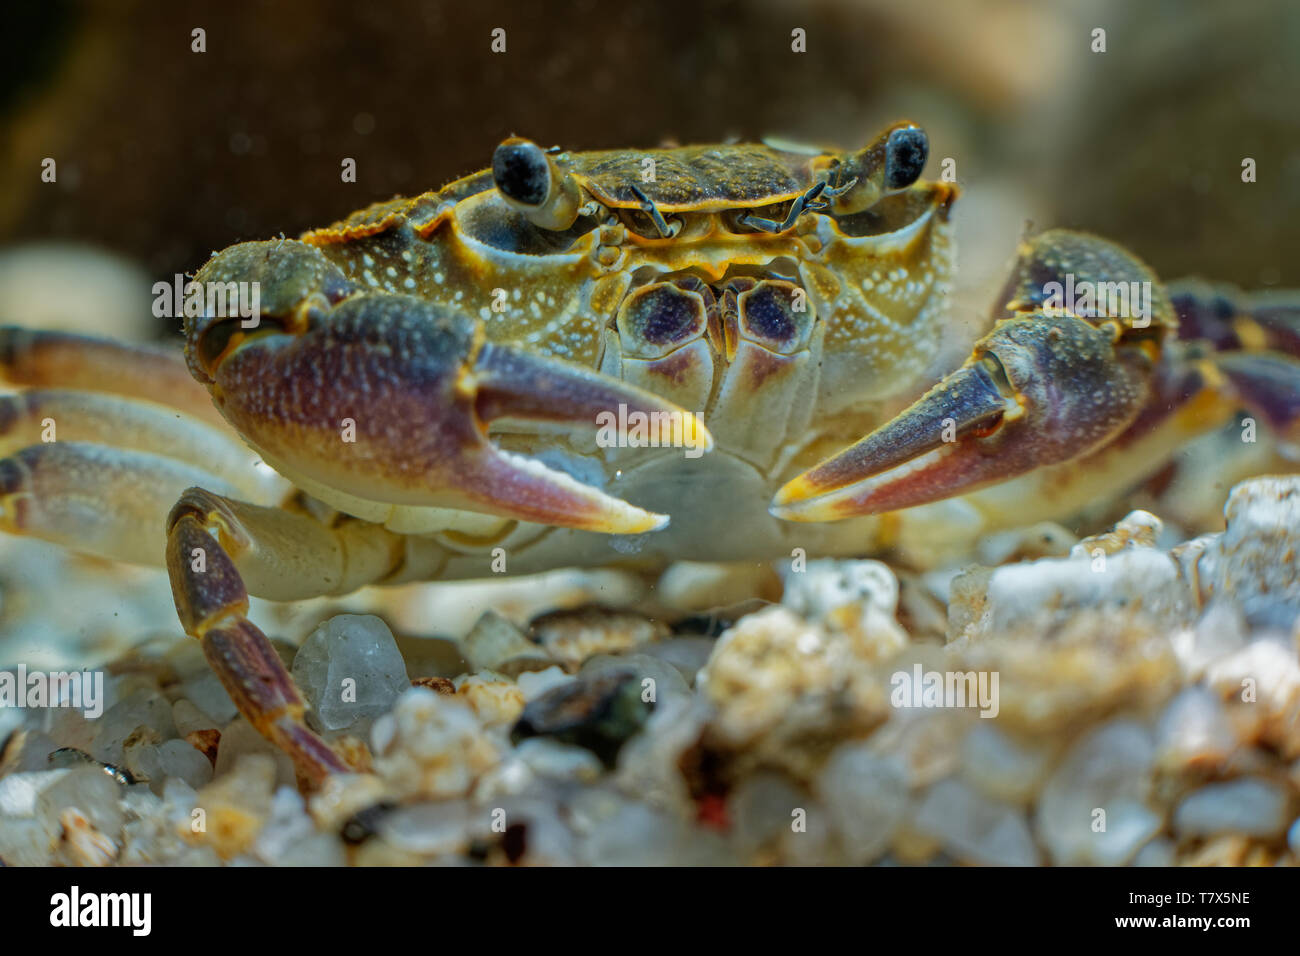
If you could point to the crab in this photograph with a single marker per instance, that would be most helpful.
(437, 381)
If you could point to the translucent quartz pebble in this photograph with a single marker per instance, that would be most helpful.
(619, 832)
(1001, 767)
(351, 671)
(1094, 808)
(535, 683)
(189, 718)
(141, 760)
(447, 826)
(289, 838)
(27, 838)
(84, 808)
(142, 708)
(687, 654)
(1194, 728)
(1158, 852)
(206, 693)
(179, 759)
(975, 829)
(658, 679)
(496, 644)
(764, 808)
(240, 739)
(866, 796)
(1250, 805)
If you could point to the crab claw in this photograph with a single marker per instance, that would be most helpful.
(511, 384)
(1039, 389)
(389, 399)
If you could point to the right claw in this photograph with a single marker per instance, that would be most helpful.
(421, 386)
(1038, 390)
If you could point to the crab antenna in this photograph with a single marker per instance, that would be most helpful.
(891, 163)
(529, 179)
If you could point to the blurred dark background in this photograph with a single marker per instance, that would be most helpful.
(164, 154)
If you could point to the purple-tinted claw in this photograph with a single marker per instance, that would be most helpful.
(510, 383)
(1040, 389)
(389, 399)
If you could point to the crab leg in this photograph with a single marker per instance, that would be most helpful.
(95, 499)
(33, 417)
(648, 207)
(97, 472)
(1257, 346)
(1267, 384)
(213, 607)
(61, 360)
(215, 544)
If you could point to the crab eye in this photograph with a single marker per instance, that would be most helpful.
(905, 156)
(532, 183)
(521, 172)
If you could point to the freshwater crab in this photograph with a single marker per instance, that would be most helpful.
(429, 374)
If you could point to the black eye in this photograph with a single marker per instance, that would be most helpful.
(521, 172)
(905, 157)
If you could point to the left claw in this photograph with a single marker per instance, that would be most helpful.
(390, 399)
(1040, 389)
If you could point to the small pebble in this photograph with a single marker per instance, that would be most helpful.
(351, 671)
(598, 711)
(570, 637)
(974, 828)
(496, 644)
(1104, 781)
(866, 796)
(141, 708)
(1249, 805)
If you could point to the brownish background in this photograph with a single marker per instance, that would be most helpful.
(165, 155)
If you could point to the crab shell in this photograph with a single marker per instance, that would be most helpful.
(787, 343)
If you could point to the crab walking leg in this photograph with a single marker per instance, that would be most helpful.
(32, 358)
(98, 500)
(213, 544)
(38, 416)
(1256, 341)
(213, 607)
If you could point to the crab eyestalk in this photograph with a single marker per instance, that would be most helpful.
(892, 163)
(531, 181)
(1038, 390)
